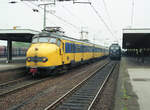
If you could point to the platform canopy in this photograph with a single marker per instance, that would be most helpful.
(20, 35)
(136, 38)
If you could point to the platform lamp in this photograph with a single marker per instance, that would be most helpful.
(13, 2)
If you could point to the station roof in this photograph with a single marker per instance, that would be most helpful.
(136, 38)
(20, 35)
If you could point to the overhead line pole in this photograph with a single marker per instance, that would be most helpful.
(65, 21)
(44, 21)
(98, 16)
(132, 16)
(44, 24)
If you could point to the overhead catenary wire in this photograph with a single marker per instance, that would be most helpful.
(106, 9)
(60, 18)
(41, 8)
(33, 8)
(77, 28)
(111, 25)
(132, 13)
(100, 17)
(103, 21)
(72, 14)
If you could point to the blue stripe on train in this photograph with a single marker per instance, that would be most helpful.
(77, 48)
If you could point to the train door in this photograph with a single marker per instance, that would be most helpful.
(73, 51)
(82, 50)
(61, 50)
(93, 51)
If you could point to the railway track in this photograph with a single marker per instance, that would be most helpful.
(13, 82)
(16, 85)
(83, 96)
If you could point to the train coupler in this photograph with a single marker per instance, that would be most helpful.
(33, 71)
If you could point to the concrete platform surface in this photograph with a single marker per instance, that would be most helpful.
(133, 87)
(17, 62)
(11, 71)
(140, 80)
(4, 67)
(14, 60)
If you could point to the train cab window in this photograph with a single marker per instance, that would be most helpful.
(116, 48)
(111, 47)
(43, 39)
(53, 40)
(34, 40)
(58, 42)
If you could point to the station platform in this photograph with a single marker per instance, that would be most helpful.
(13, 70)
(133, 86)
(12, 66)
(14, 60)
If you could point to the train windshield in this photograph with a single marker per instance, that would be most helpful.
(34, 40)
(52, 40)
(43, 39)
(115, 47)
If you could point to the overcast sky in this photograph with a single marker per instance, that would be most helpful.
(73, 17)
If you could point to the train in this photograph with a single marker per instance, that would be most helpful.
(16, 51)
(115, 51)
(51, 50)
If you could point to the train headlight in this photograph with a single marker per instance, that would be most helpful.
(45, 59)
(29, 59)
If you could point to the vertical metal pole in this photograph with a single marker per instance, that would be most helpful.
(132, 16)
(81, 34)
(9, 51)
(44, 24)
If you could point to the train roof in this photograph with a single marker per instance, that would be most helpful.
(62, 36)
(115, 44)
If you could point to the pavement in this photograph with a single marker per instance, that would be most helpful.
(14, 60)
(12, 66)
(13, 70)
(133, 87)
(17, 62)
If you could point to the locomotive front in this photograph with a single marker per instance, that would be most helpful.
(44, 54)
(115, 52)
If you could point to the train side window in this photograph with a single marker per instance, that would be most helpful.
(34, 40)
(78, 48)
(43, 39)
(74, 48)
(116, 48)
(111, 47)
(58, 42)
(71, 47)
(66, 47)
(63, 46)
(53, 40)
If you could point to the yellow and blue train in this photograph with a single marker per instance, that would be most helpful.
(51, 50)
